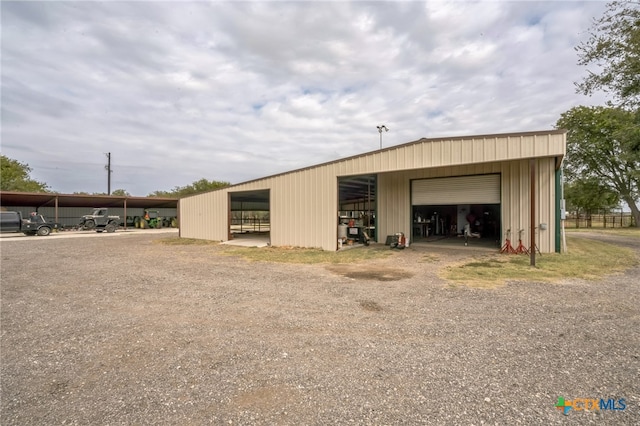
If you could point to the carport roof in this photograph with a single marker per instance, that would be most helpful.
(9, 199)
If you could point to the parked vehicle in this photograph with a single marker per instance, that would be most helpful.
(100, 220)
(36, 224)
(152, 219)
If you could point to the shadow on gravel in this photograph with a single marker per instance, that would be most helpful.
(370, 305)
(369, 272)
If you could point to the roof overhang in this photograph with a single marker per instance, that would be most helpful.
(28, 199)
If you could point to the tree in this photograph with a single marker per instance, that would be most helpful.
(590, 195)
(600, 147)
(614, 48)
(120, 193)
(117, 192)
(197, 187)
(14, 176)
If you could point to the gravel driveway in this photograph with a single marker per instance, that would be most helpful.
(123, 330)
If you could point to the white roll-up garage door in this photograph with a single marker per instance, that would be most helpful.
(480, 189)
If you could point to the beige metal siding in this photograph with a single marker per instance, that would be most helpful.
(394, 213)
(516, 203)
(427, 153)
(303, 210)
(204, 217)
(304, 203)
(394, 189)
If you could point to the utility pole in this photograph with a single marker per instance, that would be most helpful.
(532, 236)
(109, 171)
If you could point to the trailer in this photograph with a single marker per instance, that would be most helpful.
(36, 224)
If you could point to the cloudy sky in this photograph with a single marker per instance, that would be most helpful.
(232, 91)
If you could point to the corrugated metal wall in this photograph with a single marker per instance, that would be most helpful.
(304, 203)
(394, 198)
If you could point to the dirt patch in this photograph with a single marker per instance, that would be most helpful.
(429, 258)
(265, 398)
(370, 305)
(370, 272)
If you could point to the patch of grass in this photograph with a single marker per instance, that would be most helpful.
(309, 256)
(177, 241)
(430, 257)
(625, 232)
(286, 254)
(587, 259)
(488, 263)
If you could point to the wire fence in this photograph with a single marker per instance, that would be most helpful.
(250, 224)
(600, 220)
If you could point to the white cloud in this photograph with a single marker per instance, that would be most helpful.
(232, 91)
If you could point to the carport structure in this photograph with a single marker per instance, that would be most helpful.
(51, 204)
(509, 182)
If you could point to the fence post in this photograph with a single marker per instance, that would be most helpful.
(620, 218)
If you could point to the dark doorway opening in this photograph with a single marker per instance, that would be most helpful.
(357, 209)
(440, 222)
(249, 213)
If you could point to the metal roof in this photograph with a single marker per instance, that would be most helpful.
(14, 199)
(396, 148)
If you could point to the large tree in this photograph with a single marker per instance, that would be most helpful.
(197, 187)
(14, 176)
(613, 48)
(600, 147)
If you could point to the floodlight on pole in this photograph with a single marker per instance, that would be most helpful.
(380, 129)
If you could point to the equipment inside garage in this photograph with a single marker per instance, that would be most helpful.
(357, 209)
(454, 206)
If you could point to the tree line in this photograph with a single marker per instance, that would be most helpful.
(15, 176)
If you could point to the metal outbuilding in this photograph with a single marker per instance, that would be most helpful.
(512, 179)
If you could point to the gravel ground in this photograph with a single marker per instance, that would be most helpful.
(121, 330)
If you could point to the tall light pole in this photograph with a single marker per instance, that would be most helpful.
(109, 171)
(380, 129)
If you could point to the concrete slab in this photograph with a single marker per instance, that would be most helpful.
(248, 241)
(12, 236)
